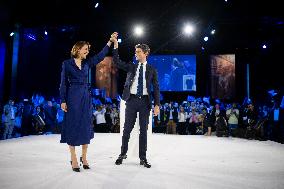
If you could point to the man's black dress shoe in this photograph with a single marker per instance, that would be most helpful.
(145, 163)
(120, 159)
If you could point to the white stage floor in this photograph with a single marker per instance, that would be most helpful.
(178, 162)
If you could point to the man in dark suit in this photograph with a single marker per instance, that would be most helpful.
(137, 94)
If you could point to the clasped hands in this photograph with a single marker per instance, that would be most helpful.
(113, 37)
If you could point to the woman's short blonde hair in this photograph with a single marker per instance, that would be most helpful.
(77, 47)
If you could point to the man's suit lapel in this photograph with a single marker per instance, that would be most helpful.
(134, 70)
(147, 75)
(147, 71)
(135, 67)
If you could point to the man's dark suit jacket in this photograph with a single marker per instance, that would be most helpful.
(151, 78)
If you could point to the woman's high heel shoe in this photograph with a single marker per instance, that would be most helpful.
(75, 169)
(84, 166)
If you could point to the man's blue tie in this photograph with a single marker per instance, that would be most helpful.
(140, 81)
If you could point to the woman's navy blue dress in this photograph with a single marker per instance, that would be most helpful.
(74, 90)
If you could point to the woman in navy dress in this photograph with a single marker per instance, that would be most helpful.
(76, 100)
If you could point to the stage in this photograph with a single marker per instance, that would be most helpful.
(177, 162)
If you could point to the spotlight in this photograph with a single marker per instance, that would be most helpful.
(188, 29)
(11, 34)
(213, 32)
(119, 40)
(45, 32)
(264, 46)
(138, 31)
(97, 4)
(206, 38)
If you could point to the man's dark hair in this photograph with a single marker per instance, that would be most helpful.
(145, 48)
